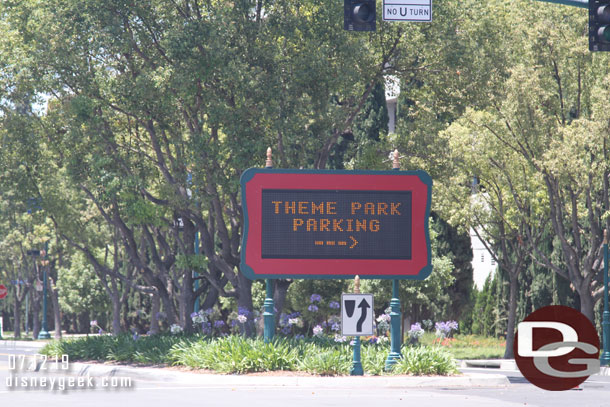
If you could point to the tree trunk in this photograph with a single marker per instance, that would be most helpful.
(17, 318)
(244, 300)
(187, 302)
(512, 314)
(279, 297)
(154, 315)
(587, 304)
(116, 314)
(56, 309)
(36, 297)
(210, 299)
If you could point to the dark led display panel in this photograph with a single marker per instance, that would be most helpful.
(336, 224)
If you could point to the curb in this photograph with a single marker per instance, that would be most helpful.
(205, 379)
(501, 364)
(11, 344)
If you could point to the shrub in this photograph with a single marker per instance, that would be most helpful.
(327, 362)
(235, 354)
(424, 360)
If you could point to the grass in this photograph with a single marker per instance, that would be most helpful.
(10, 336)
(236, 354)
(468, 346)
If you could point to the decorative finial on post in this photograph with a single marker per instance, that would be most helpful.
(357, 285)
(395, 161)
(269, 162)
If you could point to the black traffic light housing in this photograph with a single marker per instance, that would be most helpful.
(599, 25)
(359, 15)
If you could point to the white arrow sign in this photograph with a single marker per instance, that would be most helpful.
(357, 314)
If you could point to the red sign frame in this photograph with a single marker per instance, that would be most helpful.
(254, 266)
(3, 291)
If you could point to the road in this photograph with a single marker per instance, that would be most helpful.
(595, 392)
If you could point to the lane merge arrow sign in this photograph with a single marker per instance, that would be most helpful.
(356, 317)
(3, 291)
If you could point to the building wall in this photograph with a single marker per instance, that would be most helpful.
(483, 263)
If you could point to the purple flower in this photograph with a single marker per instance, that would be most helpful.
(206, 328)
(193, 315)
(244, 311)
(334, 305)
(219, 324)
(335, 327)
(315, 298)
(312, 308)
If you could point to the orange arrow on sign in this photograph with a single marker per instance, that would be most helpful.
(354, 242)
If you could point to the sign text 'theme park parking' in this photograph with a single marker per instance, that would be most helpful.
(335, 224)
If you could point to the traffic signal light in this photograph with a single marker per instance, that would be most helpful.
(599, 25)
(359, 15)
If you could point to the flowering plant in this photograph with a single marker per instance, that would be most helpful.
(445, 329)
(416, 331)
(94, 325)
(383, 323)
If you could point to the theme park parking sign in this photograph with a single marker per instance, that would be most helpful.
(336, 224)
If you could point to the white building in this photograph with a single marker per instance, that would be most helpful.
(483, 263)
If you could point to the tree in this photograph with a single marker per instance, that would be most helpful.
(552, 119)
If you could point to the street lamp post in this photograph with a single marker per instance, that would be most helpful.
(44, 333)
(395, 314)
(268, 304)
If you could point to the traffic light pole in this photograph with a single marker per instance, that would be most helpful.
(575, 3)
(605, 357)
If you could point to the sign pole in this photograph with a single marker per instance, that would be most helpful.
(605, 358)
(395, 315)
(269, 312)
(356, 362)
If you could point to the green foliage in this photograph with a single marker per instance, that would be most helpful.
(236, 354)
(425, 360)
(374, 358)
(79, 288)
(327, 362)
(124, 348)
